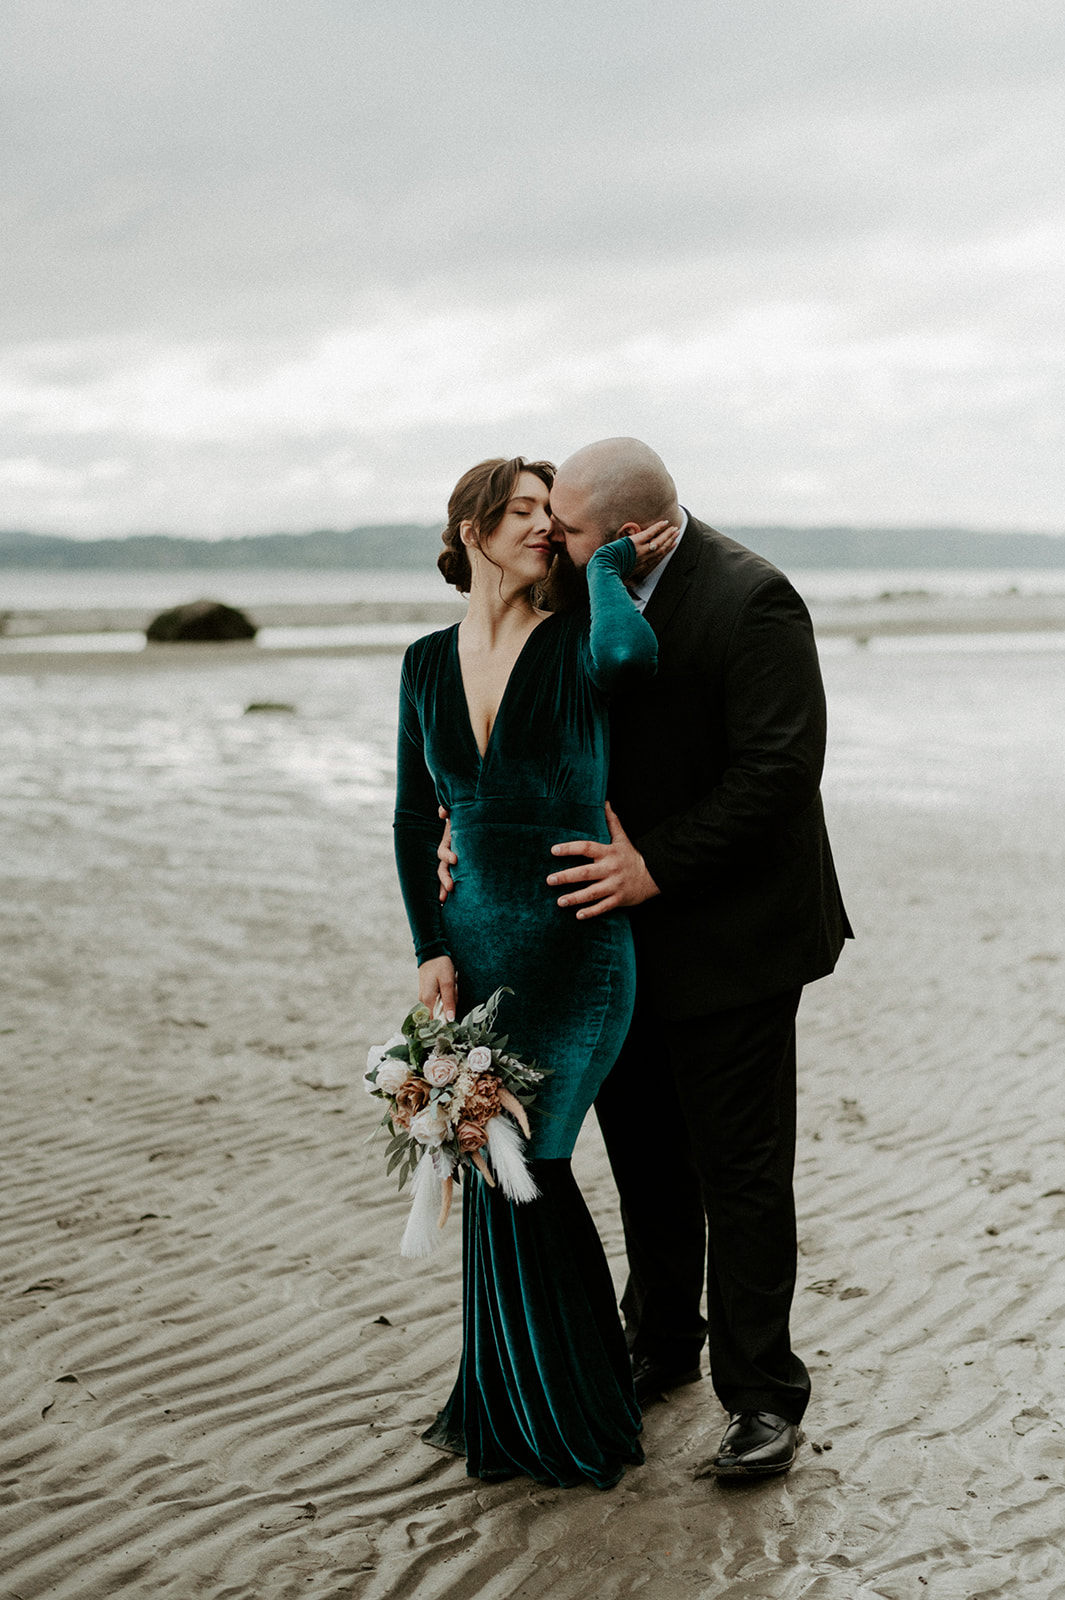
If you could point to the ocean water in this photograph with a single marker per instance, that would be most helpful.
(22, 590)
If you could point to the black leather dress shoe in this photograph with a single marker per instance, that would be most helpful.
(652, 1382)
(755, 1444)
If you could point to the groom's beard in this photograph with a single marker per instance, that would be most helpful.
(565, 585)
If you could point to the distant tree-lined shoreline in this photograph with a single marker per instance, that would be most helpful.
(414, 547)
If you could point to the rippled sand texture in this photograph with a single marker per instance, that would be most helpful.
(214, 1364)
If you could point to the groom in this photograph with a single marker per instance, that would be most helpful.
(725, 862)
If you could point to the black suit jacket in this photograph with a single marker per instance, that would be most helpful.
(715, 772)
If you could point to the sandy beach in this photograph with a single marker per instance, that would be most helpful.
(215, 1363)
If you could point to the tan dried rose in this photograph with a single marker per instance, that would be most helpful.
(471, 1136)
(482, 1101)
(410, 1098)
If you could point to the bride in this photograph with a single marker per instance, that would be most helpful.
(503, 721)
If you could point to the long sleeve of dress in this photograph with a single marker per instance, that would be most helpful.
(417, 829)
(621, 642)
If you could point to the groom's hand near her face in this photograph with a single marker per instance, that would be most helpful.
(614, 874)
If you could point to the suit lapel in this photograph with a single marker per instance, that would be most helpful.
(670, 589)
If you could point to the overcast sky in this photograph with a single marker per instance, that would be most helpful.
(282, 264)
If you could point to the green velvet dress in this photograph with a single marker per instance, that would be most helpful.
(544, 1387)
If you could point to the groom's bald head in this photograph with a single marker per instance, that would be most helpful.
(607, 487)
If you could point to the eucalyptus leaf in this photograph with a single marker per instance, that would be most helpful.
(414, 1019)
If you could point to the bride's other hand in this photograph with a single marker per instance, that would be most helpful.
(652, 543)
(445, 857)
(437, 985)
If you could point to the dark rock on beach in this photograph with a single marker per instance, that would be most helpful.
(201, 621)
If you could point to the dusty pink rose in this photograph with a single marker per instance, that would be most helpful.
(439, 1070)
(471, 1137)
(479, 1058)
(392, 1075)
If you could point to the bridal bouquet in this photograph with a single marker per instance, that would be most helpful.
(454, 1096)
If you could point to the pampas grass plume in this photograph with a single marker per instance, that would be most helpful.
(421, 1236)
(506, 1148)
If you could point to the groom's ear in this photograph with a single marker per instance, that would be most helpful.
(627, 529)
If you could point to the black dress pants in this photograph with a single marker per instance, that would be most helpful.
(698, 1117)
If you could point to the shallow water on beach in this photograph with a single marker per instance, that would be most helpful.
(926, 727)
(173, 743)
(938, 729)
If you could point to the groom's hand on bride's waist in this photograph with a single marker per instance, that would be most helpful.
(615, 875)
(445, 857)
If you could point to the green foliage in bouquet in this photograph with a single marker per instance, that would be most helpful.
(443, 1082)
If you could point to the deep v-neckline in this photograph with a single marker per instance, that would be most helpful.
(482, 757)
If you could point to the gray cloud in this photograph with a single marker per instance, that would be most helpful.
(271, 264)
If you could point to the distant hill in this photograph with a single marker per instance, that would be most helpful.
(789, 548)
(412, 546)
(405, 544)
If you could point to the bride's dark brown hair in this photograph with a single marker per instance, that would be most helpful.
(480, 498)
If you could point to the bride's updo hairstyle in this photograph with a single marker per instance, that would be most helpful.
(480, 498)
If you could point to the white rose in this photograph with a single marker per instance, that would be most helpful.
(479, 1058)
(377, 1052)
(391, 1074)
(428, 1126)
